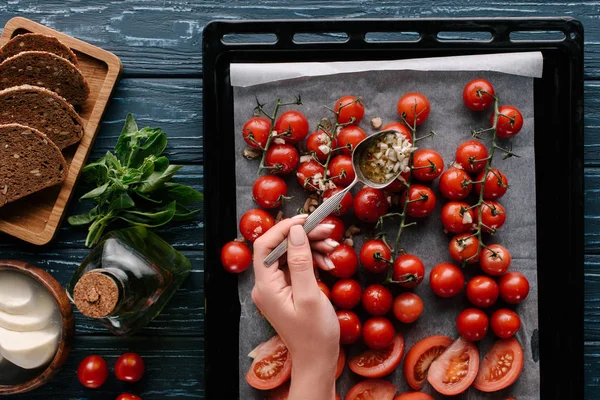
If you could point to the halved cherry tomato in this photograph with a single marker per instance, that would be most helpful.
(349, 137)
(472, 324)
(455, 184)
(346, 204)
(272, 365)
(464, 248)
(455, 369)
(256, 132)
(282, 159)
(377, 300)
(346, 294)
(501, 366)
(495, 260)
(341, 171)
(514, 287)
(421, 201)
(472, 156)
(457, 217)
(378, 363)
(378, 333)
(427, 165)
(495, 185)
(324, 289)
(510, 122)
(505, 323)
(446, 280)
(349, 109)
(400, 128)
(478, 94)
(482, 291)
(321, 144)
(236, 257)
(341, 363)
(269, 191)
(345, 260)
(408, 307)
(350, 326)
(372, 389)
(419, 358)
(375, 256)
(493, 216)
(310, 174)
(370, 204)
(409, 271)
(339, 229)
(254, 223)
(413, 396)
(293, 122)
(414, 108)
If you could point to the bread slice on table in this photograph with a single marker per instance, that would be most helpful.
(43, 110)
(40, 68)
(36, 42)
(29, 162)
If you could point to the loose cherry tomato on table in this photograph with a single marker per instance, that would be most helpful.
(256, 132)
(294, 123)
(129, 367)
(375, 256)
(341, 171)
(472, 156)
(457, 217)
(346, 204)
(269, 191)
(378, 333)
(427, 164)
(464, 248)
(414, 108)
(377, 300)
(472, 324)
(510, 122)
(478, 94)
(501, 366)
(345, 260)
(400, 128)
(372, 389)
(309, 174)
(494, 187)
(413, 396)
(493, 216)
(92, 372)
(321, 144)
(419, 358)
(349, 109)
(514, 287)
(370, 204)
(482, 291)
(446, 280)
(324, 289)
(272, 365)
(346, 294)
(350, 327)
(339, 229)
(408, 307)
(455, 369)
(236, 257)
(408, 271)
(421, 201)
(282, 159)
(455, 184)
(349, 137)
(128, 396)
(495, 260)
(505, 323)
(378, 363)
(254, 223)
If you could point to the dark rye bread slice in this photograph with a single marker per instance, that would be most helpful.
(40, 68)
(43, 110)
(29, 162)
(36, 42)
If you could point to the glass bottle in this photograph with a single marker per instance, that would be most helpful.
(127, 279)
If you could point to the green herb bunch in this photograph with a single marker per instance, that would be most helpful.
(133, 185)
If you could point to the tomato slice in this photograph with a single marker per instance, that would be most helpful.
(341, 363)
(501, 366)
(378, 363)
(455, 369)
(372, 389)
(272, 365)
(413, 396)
(420, 356)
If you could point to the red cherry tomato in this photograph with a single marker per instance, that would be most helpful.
(472, 324)
(510, 122)
(457, 217)
(378, 333)
(256, 132)
(370, 204)
(494, 187)
(514, 287)
(400, 128)
(236, 257)
(455, 184)
(321, 144)
(349, 137)
(309, 175)
(128, 396)
(398, 184)
(505, 323)
(282, 159)
(408, 307)
(294, 123)
(254, 223)
(478, 94)
(341, 171)
(324, 289)
(446, 280)
(464, 248)
(495, 260)
(92, 372)
(346, 204)
(375, 256)
(455, 369)
(129, 367)
(422, 201)
(427, 164)
(471, 155)
(372, 389)
(378, 363)
(349, 109)
(493, 216)
(377, 300)
(269, 191)
(409, 271)
(414, 108)
(482, 291)
(413, 396)
(346, 294)
(350, 327)
(501, 366)
(345, 260)
(339, 229)
(272, 365)
(419, 358)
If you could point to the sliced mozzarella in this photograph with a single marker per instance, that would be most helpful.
(37, 318)
(16, 292)
(29, 349)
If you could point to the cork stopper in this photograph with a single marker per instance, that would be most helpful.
(96, 295)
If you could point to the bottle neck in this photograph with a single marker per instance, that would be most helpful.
(97, 293)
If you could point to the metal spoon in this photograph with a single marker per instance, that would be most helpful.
(331, 203)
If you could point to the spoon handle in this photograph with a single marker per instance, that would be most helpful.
(312, 221)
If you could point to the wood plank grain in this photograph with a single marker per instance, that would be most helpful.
(165, 38)
(591, 378)
(592, 123)
(592, 298)
(592, 210)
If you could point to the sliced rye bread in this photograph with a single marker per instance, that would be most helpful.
(43, 110)
(36, 42)
(40, 68)
(29, 162)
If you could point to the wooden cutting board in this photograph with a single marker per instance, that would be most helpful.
(36, 218)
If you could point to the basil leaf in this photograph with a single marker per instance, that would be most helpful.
(111, 161)
(85, 218)
(124, 145)
(183, 194)
(92, 194)
(122, 202)
(96, 172)
(148, 198)
(161, 164)
(158, 179)
(150, 219)
(183, 213)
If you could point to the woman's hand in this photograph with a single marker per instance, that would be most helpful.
(297, 309)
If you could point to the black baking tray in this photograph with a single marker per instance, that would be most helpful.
(558, 144)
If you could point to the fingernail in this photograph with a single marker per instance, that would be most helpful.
(299, 216)
(331, 243)
(328, 226)
(330, 265)
(297, 235)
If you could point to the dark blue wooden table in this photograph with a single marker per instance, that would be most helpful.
(159, 43)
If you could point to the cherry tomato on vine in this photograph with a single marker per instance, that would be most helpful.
(510, 122)
(377, 300)
(514, 287)
(427, 164)
(309, 174)
(92, 372)
(282, 159)
(493, 216)
(414, 108)
(408, 271)
(421, 201)
(370, 204)
(269, 191)
(495, 260)
(464, 248)
(472, 324)
(505, 323)
(457, 217)
(341, 171)
(129, 367)
(455, 184)
(350, 109)
(346, 204)
(373, 256)
(400, 128)
(478, 94)
(295, 123)
(349, 137)
(378, 333)
(482, 291)
(350, 327)
(345, 260)
(446, 280)
(128, 396)
(254, 223)
(339, 229)
(236, 257)
(472, 156)
(346, 294)
(494, 187)
(256, 132)
(324, 289)
(408, 307)
(321, 144)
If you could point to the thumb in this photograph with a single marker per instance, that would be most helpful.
(300, 265)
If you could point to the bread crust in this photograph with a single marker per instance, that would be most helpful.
(36, 42)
